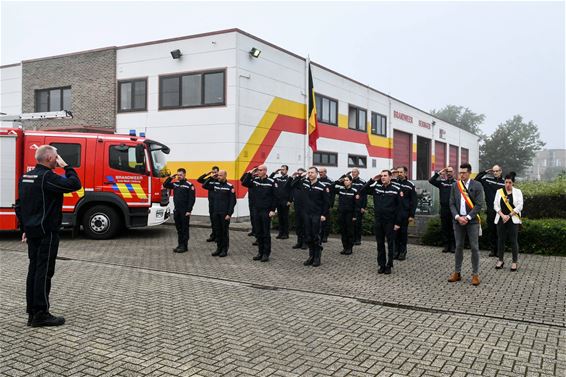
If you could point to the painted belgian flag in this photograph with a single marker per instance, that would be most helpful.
(313, 123)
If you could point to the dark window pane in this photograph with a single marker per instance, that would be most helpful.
(316, 158)
(125, 160)
(67, 99)
(191, 86)
(324, 159)
(125, 96)
(55, 100)
(362, 162)
(139, 95)
(333, 112)
(42, 101)
(170, 92)
(333, 159)
(71, 153)
(214, 88)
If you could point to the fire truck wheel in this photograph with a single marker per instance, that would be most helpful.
(101, 222)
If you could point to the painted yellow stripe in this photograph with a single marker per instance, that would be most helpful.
(342, 121)
(139, 191)
(124, 190)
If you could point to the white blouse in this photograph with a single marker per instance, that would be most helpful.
(517, 203)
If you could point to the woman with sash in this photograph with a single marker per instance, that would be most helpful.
(508, 205)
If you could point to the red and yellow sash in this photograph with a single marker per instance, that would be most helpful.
(467, 199)
(507, 204)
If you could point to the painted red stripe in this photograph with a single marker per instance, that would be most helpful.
(353, 136)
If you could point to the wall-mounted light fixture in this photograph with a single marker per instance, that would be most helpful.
(176, 54)
(254, 52)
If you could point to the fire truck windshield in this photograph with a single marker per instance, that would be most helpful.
(158, 159)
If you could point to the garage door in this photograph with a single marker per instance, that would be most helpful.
(402, 148)
(454, 157)
(465, 155)
(439, 155)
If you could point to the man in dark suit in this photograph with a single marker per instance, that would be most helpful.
(466, 199)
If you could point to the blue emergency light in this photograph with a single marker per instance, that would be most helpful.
(132, 132)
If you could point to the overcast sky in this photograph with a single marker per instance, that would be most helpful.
(498, 59)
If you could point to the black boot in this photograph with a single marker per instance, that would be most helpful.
(317, 255)
(41, 319)
(257, 257)
(310, 260)
(402, 255)
(216, 253)
(348, 251)
(223, 253)
(299, 244)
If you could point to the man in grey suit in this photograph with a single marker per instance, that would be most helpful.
(466, 198)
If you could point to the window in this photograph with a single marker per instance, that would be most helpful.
(326, 110)
(132, 95)
(325, 158)
(357, 119)
(123, 157)
(355, 161)
(55, 99)
(378, 124)
(192, 90)
(71, 153)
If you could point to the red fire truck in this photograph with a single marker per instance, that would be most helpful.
(120, 175)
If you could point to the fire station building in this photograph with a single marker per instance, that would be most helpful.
(230, 99)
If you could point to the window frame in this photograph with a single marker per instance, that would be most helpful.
(202, 89)
(320, 97)
(57, 144)
(119, 94)
(328, 153)
(358, 157)
(375, 114)
(48, 91)
(358, 110)
(132, 170)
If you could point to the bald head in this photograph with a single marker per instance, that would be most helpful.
(46, 155)
(222, 175)
(262, 171)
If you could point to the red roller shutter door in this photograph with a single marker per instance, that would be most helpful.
(402, 150)
(454, 157)
(464, 155)
(439, 155)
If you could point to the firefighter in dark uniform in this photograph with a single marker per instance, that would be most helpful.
(491, 183)
(387, 212)
(348, 209)
(298, 199)
(264, 208)
(251, 204)
(358, 183)
(317, 203)
(201, 180)
(408, 209)
(184, 200)
(328, 183)
(223, 202)
(283, 194)
(444, 179)
(39, 212)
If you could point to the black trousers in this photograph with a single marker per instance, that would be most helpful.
(325, 227)
(300, 224)
(402, 235)
(358, 227)
(346, 223)
(211, 215)
(385, 230)
(492, 230)
(252, 217)
(312, 235)
(221, 230)
(42, 253)
(447, 228)
(507, 231)
(182, 225)
(262, 230)
(283, 216)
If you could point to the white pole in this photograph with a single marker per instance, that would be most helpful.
(307, 98)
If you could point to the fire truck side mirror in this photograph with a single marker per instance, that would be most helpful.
(140, 154)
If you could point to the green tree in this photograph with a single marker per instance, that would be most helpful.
(512, 146)
(462, 117)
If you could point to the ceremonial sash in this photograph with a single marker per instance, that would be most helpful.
(506, 201)
(466, 195)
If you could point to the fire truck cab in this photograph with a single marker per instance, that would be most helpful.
(121, 177)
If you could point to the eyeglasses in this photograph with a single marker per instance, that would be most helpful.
(496, 171)
(464, 172)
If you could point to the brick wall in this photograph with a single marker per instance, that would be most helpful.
(92, 78)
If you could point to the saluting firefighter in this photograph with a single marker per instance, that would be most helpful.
(408, 209)
(387, 212)
(184, 200)
(317, 201)
(358, 183)
(444, 180)
(223, 198)
(283, 194)
(298, 199)
(348, 209)
(264, 208)
(201, 179)
(492, 181)
(328, 183)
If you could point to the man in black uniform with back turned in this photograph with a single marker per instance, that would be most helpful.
(328, 183)
(317, 200)
(358, 183)
(264, 208)
(184, 200)
(283, 195)
(298, 199)
(387, 212)
(408, 209)
(444, 180)
(491, 184)
(223, 202)
(39, 212)
(212, 182)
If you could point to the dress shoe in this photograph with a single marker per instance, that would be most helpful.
(381, 270)
(176, 250)
(305, 247)
(308, 262)
(216, 253)
(257, 257)
(475, 280)
(445, 250)
(396, 257)
(499, 265)
(454, 277)
(513, 267)
(223, 254)
(453, 251)
(387, 270)
(357, 243)
(255, 243)
(492, 254)
(210, 239)
(402, 256)
(324, 239)
(41, 319)
(284, 237)
(251, 234)
(297, 246)
(348, 252)
(343, 251)
(265, 258)
(278, 237)
(181, 250)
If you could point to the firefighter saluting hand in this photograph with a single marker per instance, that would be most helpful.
(39, 212)
(184, 200)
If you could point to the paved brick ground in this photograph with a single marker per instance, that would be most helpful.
(134, 308)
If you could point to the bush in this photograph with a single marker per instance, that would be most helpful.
(544, 199)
